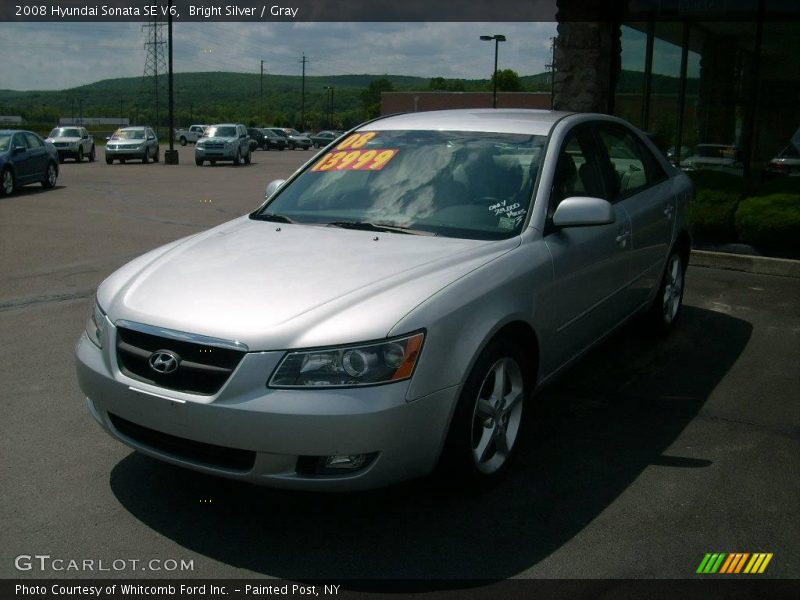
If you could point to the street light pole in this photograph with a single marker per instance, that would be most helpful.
(261, 98)
(497, 39)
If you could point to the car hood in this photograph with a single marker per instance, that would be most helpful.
(227, 140)
(63, 139)
(276, 286)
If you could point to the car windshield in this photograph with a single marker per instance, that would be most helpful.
(790, 151)
(450, 183)
(128, 134)
(65, 132)
(5, 142)
(221, 132)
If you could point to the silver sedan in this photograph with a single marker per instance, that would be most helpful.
(393, 306)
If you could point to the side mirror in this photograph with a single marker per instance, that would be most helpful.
(108, 138)
(273, 186)
(582, 211)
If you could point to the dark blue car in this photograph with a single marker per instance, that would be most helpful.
(26, 158)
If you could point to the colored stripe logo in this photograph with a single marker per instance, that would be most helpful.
(734, 563)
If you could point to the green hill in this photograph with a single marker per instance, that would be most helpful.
(224, 96)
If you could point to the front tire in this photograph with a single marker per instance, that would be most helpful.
(79, 157)
(146, 157)
(109, 160)
(669, 298)
(50, 176)
(198, 162)
(488, 417)
(6, 183)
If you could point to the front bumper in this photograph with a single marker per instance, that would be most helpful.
(278, 429)
(126, 153)
(201, 153)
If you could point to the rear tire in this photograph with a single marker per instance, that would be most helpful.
(50, 176)
(7, 183)
(183, 141)
(92, 155)
(248, 158)
(669, 298)
(157, 158)
(488, 418)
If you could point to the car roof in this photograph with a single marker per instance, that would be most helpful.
(501, 120)
(10, 131)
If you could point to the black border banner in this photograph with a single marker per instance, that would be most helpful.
(391, 10)
(740, 587)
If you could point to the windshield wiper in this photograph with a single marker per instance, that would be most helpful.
(370, 226)
(273, 217)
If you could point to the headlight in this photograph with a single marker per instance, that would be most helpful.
(350, 366)
(96, 324)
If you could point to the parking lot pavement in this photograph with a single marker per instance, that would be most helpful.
(642, 459)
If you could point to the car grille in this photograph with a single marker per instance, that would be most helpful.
(232, 459)
(203, 369)
(61, 144)
(214, 145)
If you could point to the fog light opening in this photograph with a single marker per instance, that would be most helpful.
(335, 464)
(345, 462)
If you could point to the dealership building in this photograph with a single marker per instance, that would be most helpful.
(688, 72)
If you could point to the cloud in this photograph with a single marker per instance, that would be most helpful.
(46, 56)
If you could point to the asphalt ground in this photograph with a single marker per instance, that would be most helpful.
(647, 455)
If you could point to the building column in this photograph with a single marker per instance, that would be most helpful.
(586, 57)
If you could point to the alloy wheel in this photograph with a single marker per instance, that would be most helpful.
(497, 415)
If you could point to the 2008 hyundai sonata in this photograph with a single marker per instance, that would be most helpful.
(393, 304)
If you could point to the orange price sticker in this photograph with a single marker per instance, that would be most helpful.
(354, 160)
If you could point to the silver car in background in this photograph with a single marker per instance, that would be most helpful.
(138, 143)
(394, 304)
(223, 142)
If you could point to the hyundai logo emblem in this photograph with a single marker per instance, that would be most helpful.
(164, 361)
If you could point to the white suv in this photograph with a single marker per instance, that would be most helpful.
(72, 142)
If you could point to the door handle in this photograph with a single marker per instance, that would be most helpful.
(622, 238)
(668, 211)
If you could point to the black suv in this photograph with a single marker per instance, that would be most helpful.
(257, 136)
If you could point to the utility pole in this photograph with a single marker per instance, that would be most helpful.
(171, 155)
(303, 60)
(261, 98)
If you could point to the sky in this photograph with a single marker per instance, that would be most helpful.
(53, 56)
